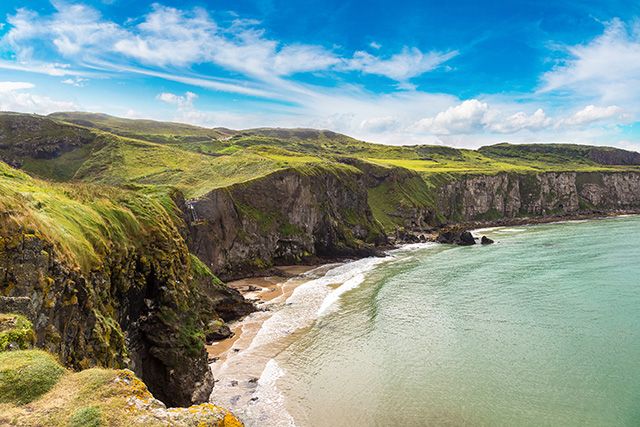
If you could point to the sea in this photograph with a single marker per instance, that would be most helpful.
(541, 328)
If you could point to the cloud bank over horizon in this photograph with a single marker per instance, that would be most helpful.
(444, 83)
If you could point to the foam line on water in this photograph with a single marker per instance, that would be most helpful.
(269, 408)
(302, 307)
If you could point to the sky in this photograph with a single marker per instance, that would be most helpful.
(464, 73)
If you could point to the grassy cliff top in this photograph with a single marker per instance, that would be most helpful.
(35, 390)
(82, 220)
(109, 150)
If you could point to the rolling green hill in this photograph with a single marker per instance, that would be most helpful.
(102, 148)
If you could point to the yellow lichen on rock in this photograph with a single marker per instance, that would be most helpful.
(38, 391)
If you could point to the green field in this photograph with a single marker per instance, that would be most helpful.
(151, 158)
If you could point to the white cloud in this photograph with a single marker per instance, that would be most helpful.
(467, 117)
(301, 58)
(14, 98)
(182, 102)
(11, 86)
(375, 45)
(75, 81)
(474, 116)
(51, 69)
(521, 121)
(591, 114)
(168, 36)
(608, 67)
(380, 124)
(409, 63)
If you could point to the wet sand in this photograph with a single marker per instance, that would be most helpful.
(262, 290)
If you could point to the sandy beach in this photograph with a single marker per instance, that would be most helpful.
(261, 290)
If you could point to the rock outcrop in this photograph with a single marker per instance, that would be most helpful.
(283, 218)
(493, 197)
(486, 241)
(456, 236)
(113, 285)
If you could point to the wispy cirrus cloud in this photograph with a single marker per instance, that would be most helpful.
(607, 67)
(168, 36)
(409, 63)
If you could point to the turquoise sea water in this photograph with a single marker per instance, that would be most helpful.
(542, 328)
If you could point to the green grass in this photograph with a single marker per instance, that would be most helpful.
(25, 375)
(149, 130)
(125, 161)
(156, 158)
(82, 220)
(88, 416)
(62, 168)
(16, 332)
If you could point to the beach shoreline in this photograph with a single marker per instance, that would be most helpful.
(260, 290)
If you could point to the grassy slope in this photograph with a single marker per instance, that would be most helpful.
(227, 157)
(197, 160)
(82, 220)
(165, 132)
(36, 391)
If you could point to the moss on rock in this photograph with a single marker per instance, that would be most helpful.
(16, 332)
(38, 391)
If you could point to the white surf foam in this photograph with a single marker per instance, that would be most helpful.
(305, 303)
(268, 404)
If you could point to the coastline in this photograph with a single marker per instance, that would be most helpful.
(280, 281)
(244, 366)
(546, 219)
(260, 290)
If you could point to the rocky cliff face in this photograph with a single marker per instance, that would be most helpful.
(511, 195)
(142, 307)
(282, 218)
(25, 136)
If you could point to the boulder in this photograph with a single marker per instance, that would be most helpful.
(466, 239)
(456, 236)
(486, 241)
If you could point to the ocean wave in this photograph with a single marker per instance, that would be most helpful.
(309, 300)
(268, 404)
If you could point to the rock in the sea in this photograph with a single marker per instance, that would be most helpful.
(486, 241)
(456, 236)
(466, 238)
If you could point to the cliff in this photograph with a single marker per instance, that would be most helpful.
(514, 195)
(106, 278)
(283, 218)
(116, 263)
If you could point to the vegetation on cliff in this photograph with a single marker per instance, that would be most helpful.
(36, 390)
(97, 264)
(113, 231)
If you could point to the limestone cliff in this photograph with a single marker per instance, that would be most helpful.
(491, 197)
(282, 218)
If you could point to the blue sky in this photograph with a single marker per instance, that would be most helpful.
(465, 73)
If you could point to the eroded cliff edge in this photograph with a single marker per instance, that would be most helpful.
(288, 217)
(284, 218)
(106, 278)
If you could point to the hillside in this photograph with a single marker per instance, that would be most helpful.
(114, 232)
